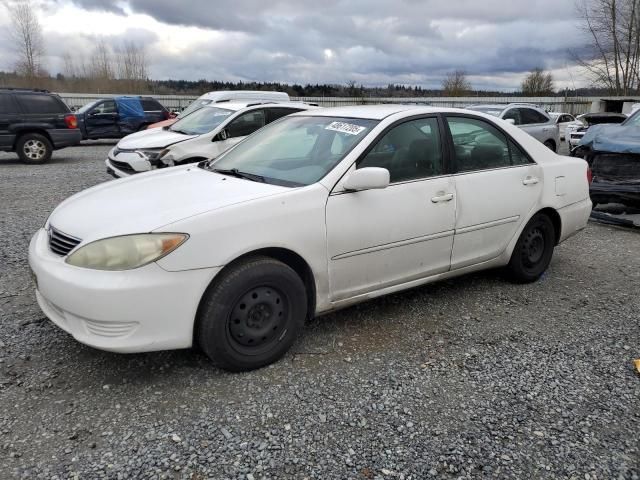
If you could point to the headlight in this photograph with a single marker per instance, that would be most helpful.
(126, 252)
(153, 155)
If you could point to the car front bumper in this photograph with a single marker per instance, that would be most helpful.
(139, 310)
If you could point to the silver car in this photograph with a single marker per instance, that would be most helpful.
(530, 118)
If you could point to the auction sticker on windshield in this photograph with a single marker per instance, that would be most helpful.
(343, 127)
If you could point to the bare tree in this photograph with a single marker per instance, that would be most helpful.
(613, 57)
(132, 65)
(26, 34)
(455, 84)
(101, 61)
(537, 83)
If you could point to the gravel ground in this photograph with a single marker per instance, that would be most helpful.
(469, 378)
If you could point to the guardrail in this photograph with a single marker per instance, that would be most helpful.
(574, 106)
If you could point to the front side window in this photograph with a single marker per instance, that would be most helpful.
(296, 150)
(246, 124)
(105, 108)
(480, 146)
(274, 114)
(201, 121)
(513, 114)
(409, 151)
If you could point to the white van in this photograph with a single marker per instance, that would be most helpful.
(224, 96)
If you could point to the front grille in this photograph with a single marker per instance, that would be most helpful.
(122, 166)
(61, 243)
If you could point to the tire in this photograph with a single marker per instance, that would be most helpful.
(34, 148)
(533, 251)
(551, 145)
(252, 314)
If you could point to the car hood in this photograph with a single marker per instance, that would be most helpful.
(153, 138)
(612, 138)
(147, 202)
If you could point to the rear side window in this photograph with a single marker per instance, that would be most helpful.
(149, 105)
(529, 115)
(274, 114)
(480, 146)
(8, 105)
(40, 104)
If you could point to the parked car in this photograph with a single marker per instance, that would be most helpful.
(562, 120)
(613, 152)
(577, 129)
(204, 134)
(34, 123)
(225, 96)
(320, 210)
(119, 116)
(530, 118)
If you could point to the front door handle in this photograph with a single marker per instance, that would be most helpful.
(530, 181)
(444, 197)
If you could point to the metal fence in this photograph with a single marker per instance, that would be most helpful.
(575, 106)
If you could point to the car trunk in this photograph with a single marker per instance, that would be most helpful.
(619, 168)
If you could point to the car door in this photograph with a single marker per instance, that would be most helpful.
(102, 120)
(378, 238)
(9, 116)
(238, 128)
(497, 186)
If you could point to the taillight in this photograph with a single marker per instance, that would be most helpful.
(589, 175)
(167, 115)
(71, 121)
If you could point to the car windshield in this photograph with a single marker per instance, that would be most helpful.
(633, 120)
(197, 104)
(87, 107)
(201, 121)
(294, 151)
(495, 111)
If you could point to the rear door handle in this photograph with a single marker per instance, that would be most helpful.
(530, 181)
(445, 197)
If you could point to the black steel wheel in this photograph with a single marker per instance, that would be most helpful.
(250, 315)
(534, 249)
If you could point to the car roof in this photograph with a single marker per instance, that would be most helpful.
(379, 112)
(241, 105)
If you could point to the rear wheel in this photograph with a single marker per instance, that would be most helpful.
(34, 148)
(532, 254)
(252, 314)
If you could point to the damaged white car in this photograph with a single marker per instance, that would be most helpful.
(201, 135)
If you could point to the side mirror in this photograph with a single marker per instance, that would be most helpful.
(222, 135)
(367, 178)
(510, 120)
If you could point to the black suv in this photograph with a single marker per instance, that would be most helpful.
(117, 117)
(34, 123)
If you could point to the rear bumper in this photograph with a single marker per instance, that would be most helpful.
(574, 218)
(611, 193)
(65, 137)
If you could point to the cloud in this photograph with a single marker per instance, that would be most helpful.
(373, 42)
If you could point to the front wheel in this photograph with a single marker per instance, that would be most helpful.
(252, 314)
(532, 254)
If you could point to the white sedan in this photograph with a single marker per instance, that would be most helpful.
(315, 212)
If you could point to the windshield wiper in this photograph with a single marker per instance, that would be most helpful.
(234, 172)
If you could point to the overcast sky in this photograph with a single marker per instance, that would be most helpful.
(373, 42)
